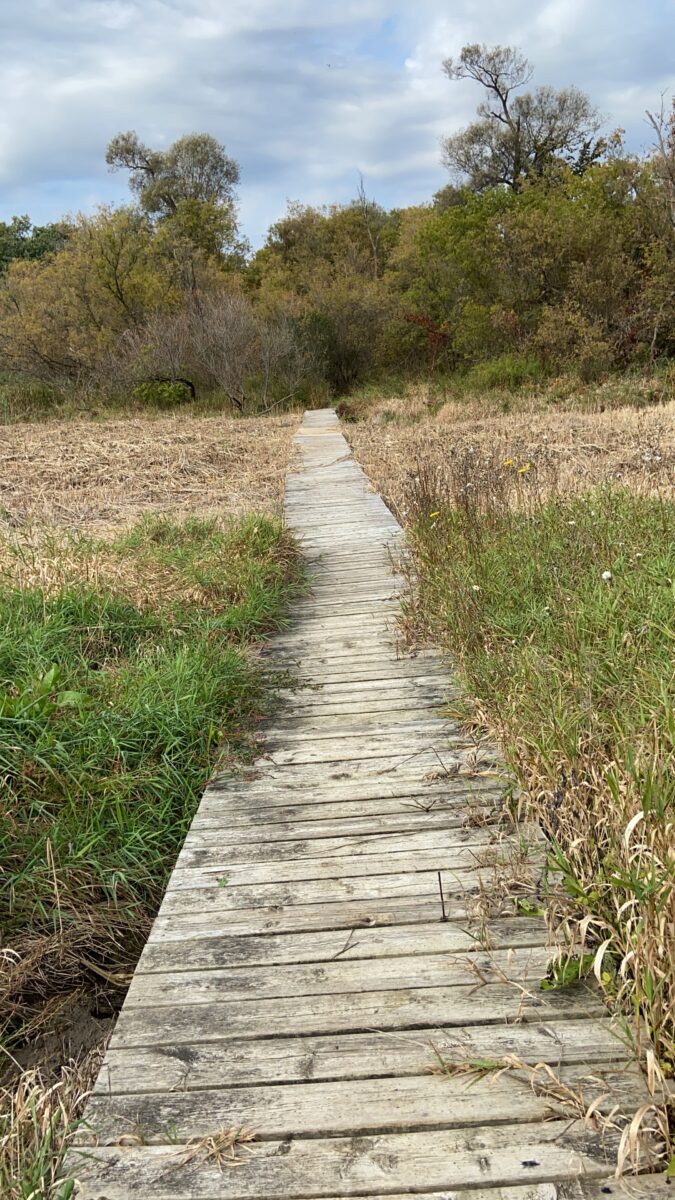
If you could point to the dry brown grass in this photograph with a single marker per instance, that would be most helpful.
(37, 1120)
(569, 450)
(102, 476)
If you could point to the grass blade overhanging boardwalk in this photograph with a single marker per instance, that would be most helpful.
(339, 967)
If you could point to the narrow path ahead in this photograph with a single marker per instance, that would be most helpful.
(300, 980)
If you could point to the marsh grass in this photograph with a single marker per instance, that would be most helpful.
(559, 612)
(101, 475)
(124, 674)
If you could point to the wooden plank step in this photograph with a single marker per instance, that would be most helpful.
(215, 850)
(452, 811)
(379, 691)
(398, 1008)
(256, 825)
(369, 888)
(357, 1055)
(425, 765)
(327, 1109)
(273, 736)
(449, 860)
(194, 987)
(338, 750)
(445, 1159)
(199, 918)
(436, 937)
(457, 788)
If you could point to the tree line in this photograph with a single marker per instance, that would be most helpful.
(551, 249)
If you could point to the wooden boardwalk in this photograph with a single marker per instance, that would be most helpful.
(299, 980)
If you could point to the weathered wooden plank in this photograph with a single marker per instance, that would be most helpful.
(356, 1055)
(203, 896)
(255, 825)
(304, 1168)
(316, 628)
(334, 593)
(324, 709)
(383, 692)
(422, 679)
(221, 949)
(199, 918)
(204, 867)
(195, 987)
(372, 695)
(234, 790)
(212, 848)
(643, 1187)
(301, 654)
(327, 1109)
(253, 817)
(375, 716)
(415, 687)
(398, 749)
(274, 738)
(425, 766)
(215, 1021)
(375, 606)
(326, 669)
(268, 807)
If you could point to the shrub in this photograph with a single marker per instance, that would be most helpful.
(162, 393)
(509, 371)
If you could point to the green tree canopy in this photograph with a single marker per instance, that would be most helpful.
(190, 186)
(20, 239)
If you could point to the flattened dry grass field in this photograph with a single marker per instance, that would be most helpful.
(567, 451)
(100, 476)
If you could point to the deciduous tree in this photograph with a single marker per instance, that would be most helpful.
(518, 137)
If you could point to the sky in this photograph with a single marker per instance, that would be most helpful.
(306, 95)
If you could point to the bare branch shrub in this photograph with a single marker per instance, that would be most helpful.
(213, 341)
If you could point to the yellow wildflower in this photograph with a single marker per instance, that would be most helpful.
(508, 462)
(525, 469)
(436, 514)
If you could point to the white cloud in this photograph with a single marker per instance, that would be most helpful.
(304, 95)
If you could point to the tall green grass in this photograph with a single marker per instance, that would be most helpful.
(560, 613)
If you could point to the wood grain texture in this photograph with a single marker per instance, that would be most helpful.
(320, 951)
(491, 1156)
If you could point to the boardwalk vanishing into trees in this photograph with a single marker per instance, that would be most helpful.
(333, 969)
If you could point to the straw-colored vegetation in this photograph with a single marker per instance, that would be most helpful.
(621, 430)
(99, 476)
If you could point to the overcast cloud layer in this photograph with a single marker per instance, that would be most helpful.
(306, 94)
